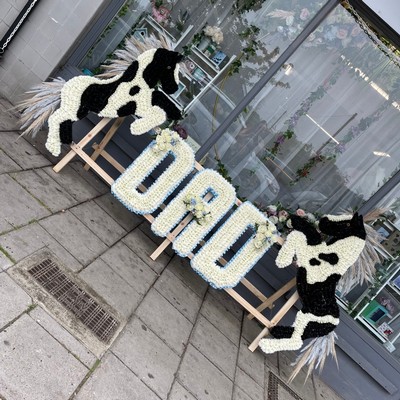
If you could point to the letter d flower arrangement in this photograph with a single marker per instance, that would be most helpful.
(199, 208)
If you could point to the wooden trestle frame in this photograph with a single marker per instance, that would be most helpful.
(99, 150)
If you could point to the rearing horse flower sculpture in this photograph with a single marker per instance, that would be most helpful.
(132, 92)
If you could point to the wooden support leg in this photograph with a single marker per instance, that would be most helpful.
(109, 135)
(59, 166)
(270, 300)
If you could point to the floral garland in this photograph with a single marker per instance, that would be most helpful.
(125, 187)
(205, 181)
(305, 106)
(205, 260)
(199, 208)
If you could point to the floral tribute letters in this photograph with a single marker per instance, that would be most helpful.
(209, 197)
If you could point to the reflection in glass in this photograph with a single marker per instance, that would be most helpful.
(325, 139)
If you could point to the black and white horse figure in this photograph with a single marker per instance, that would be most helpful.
(133, 92)
(321, 265)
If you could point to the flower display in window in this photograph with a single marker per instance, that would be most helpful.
(199, 208)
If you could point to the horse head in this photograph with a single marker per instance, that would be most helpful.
(164, 68)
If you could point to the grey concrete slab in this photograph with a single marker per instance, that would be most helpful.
(129, 266)
(22, 242)
(165, 320)
(113, 380)
(73, 183)
(323, 391)
(34, 366)
(100, 277)
(138, 242)
(13, 300)
(227, 301)
(7, 164)
(145, 227)
(90, 177)
(271, 361)
(9, 119)
(99, 222)
(147, 356)
(303, 388)
(179, 295)
(221, 318)
(21, 152)
(181, 268)
(215, 346)
(5, 262)
(18, 207)
(203, 378)
(128, 220)
(251, 363)
(248, 385)
(63, 336)
(82, 243)
(239, 394)
(251, 328)
(44, 188)
(178, 392)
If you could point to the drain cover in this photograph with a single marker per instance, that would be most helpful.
(70, 300)
(74, 299)
(277, 389)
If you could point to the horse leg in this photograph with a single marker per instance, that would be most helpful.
(153, 117)
(58, 124)
(161, 100)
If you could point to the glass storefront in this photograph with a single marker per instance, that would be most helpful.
(320, 136)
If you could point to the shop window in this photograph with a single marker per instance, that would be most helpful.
(322, 136)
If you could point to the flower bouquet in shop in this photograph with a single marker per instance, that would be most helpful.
(212, 37)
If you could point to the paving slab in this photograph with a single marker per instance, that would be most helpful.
(147, 356)
(178, 392)
(34, 366)
(5, 261)
(138, 242)
(182, 269)
(46, 189)
(25, 241)
(7, 164)
(13, 300)
(179, 295)
(251, 363)
(99, 222)
(323, 391)
(248, 385)
(203, 378)
(165, 320)
(114, 290)
(113, 380)
(130, 267)
(145, 227)
(303, 388)
(239, 394)
(18, 207)
(9, 119)
(221, 318)
(73, 183)
(21, 152)
(215, 346)
(228, 302)
(63, 336)
(127, 219)
(90, 177)
(82, 243)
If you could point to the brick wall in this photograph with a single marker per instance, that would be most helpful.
(42, 43)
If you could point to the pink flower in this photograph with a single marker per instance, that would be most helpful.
(272, 210)
(304, 14)
(283, 216)
(342, 33)
(300, 212)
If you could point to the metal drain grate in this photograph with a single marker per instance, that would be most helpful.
(277, 389)
(102, 324)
